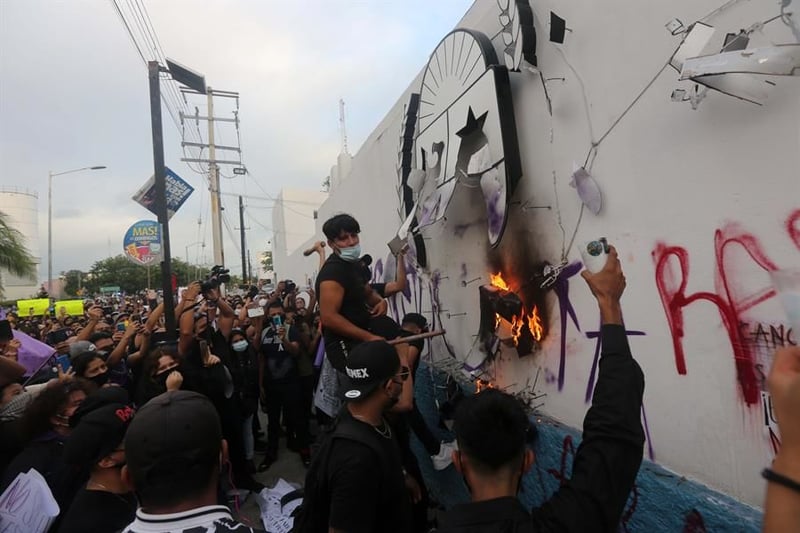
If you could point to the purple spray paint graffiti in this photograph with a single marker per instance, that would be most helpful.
(561, 288)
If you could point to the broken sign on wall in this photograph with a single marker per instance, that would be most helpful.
(467, 131)
(736, 70)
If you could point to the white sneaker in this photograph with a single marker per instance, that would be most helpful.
(445, 456)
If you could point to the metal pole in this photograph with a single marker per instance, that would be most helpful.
(213, 178)
(153, 70)
(241, 237)
(49, 231)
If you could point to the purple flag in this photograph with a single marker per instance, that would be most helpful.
(32, 354)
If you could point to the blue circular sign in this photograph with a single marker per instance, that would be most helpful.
(142, 242)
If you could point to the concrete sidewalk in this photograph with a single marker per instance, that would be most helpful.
(289, 466)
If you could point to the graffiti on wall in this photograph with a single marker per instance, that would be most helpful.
(732, 300)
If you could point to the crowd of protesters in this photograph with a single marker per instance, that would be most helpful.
(133, 430)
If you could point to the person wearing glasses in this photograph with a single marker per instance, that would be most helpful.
(356, 481)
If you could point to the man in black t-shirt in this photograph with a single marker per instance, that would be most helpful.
(105, 504)
(279, 380)
(343, 299)
(356, 482)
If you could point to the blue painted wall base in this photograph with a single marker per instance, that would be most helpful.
(661, 501)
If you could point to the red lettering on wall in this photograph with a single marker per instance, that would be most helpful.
(730, 297)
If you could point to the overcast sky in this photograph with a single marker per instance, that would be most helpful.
(74, 93)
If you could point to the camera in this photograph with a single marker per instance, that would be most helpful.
(289, 287)
(215, 278)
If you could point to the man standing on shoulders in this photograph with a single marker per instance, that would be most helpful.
(175, 450)
(343, 301)
(491, 429)
(356, 482)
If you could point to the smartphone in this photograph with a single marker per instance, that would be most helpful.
(277, 321)
(253, 312)
(121, 327)
(63, 361)
(203, 349)
(58, 336)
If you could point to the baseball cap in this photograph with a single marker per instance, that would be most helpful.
(80, 347)
(171, 434)
(99, 398)
(98, 433)
(368, 366)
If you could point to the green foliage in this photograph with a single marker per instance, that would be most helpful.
(119, 271)
(14, 257)
(266, 261)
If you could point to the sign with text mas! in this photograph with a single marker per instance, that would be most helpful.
(142, 243)
(177, 193)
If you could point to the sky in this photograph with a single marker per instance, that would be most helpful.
(74, 93)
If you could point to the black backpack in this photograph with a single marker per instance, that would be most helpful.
(313, 514)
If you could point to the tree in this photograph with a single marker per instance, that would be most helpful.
(266, 261)
(129, 277)
(14, 257)
(75, 279)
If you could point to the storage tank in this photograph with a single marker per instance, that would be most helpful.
(21, 208)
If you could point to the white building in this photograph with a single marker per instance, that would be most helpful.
(294, 223)
(21, 206)
(700, 194)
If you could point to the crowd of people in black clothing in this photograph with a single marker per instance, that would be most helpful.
(134, 432)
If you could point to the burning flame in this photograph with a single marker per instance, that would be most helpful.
(497, 281)
(482, 385)
(535, 324)
(532, 320)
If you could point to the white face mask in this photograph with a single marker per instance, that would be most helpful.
(240, 346)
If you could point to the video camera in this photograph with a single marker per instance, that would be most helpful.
(289, 287)
(215, 278)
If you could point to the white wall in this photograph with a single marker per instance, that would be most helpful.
(669, 175)
(22, 210)
(293, 224)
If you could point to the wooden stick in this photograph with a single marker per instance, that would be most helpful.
(312, 250)
(412, 338)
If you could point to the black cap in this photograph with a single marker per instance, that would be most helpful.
(416, 319)
(171, 434)
(99, 398)
(99, 433)
(368, 366)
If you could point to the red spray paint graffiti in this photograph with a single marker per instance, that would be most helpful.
(730, 300)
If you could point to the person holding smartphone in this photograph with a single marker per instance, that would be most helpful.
(278, 380)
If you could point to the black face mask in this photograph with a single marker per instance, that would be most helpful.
(100, 379)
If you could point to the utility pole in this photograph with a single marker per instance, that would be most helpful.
(241, 236)
(213, 162)
(213, 178)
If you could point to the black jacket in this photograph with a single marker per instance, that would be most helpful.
(604, 468)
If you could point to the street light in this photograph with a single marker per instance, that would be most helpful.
(193, 80)
(50, 218)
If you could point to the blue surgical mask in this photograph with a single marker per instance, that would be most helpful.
(350, 254)
(240, 346)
